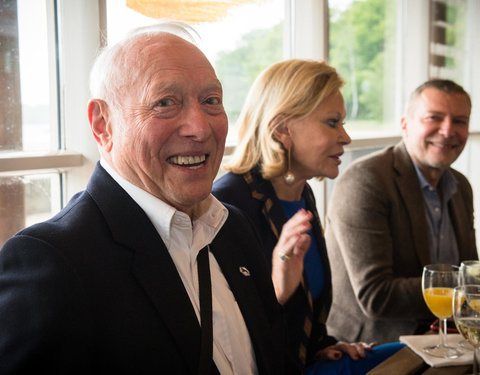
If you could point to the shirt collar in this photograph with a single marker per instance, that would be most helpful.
(447, 184)
(209, 215)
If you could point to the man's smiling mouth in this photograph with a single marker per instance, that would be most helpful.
(192, 162)
(443, 145)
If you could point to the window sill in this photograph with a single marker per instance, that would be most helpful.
(15, 162)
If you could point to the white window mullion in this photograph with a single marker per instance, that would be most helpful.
(78, 50)
(308, 23)
(415, 44)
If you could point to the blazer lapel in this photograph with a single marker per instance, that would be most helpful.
(157, 274)
(236, 268)
(413, 200)
(262, 190)
(152, 264)
(459, 222)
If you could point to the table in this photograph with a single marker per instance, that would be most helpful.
(406, 362)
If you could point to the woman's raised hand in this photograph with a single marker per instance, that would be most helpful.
(288, 254)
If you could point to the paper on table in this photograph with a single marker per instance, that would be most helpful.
(418, 342)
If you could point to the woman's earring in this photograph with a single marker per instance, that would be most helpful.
(289, 177)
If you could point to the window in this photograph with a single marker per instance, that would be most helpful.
(448, 39)
(362, 48)
(27, 114)
(33, 158)
(25, 69)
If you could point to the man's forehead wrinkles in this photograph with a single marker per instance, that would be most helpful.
(435, 112)
(446, 113)
(178, 85)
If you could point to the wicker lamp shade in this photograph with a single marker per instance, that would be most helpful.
(189, 11)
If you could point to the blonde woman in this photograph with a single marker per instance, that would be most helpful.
(290, 130)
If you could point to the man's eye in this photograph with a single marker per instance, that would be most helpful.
(213, 101)
(165, 102)
(460, 122)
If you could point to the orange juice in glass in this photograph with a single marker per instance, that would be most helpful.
(439, 301)
(438, 281)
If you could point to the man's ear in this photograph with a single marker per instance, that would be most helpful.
(403, 124)
(281, 132)
(99, 118)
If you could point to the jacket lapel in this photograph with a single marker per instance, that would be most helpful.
(152, 265)
(262, 190)
(460, 222)
(238, 272)
(413, 200)
(157, 274)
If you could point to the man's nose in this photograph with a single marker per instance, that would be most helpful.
(195, 123)
(446, 127)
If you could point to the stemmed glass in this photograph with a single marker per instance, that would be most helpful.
(469, 274)
(466, 313)
(438, 281)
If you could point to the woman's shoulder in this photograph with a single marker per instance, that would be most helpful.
(227, 180)
(230, 187)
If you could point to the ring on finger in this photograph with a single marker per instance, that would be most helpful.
(284, 257)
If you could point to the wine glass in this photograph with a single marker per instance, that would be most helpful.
(466, 313)
(438, 281)
(469, 274)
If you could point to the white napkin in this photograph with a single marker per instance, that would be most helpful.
(418, 342)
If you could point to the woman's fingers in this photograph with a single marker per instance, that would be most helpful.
(294, 233)
(298, 223)
(287, 257)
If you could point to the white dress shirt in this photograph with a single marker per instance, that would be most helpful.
(232, 348)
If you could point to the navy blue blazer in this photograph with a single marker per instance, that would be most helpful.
(258, 200)
(94, 290)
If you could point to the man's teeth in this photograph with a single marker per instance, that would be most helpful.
(443, 145)
(188, 160)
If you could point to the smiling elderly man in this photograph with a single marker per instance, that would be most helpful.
(109, 285)
(395, 211)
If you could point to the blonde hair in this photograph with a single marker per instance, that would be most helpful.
(287, 90)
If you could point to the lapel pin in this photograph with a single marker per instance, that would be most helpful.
(244, 271)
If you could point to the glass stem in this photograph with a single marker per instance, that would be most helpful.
(475, 364)
(442, 330)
